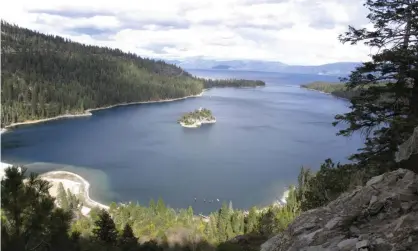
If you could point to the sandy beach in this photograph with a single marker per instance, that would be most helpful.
(71, 181)
(88, 112)
(75, 183)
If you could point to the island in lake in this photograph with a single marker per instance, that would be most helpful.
(197, 118)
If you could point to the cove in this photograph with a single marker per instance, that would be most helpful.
(255, 150)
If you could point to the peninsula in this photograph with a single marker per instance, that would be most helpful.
(197, 118)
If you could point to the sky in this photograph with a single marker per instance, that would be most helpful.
(302, 32)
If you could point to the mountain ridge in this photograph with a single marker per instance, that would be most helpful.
(337, 68)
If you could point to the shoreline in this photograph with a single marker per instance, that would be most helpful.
(49, 176)
(90, 203)
(197, 124)
(326, 93)
(88, 112)
(86, 187)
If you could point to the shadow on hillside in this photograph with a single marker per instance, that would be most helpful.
(248, 242)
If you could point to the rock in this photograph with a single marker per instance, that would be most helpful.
(333, 223)
(364, 244)
(408, 148)
(382, 215)
(347, 245)
(373, 200)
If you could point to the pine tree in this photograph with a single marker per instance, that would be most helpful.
(28, 216)
(152, 205)
(62, 197)
(223, 221)
(387, 108)
(160, 207)
(73, 201)
(190, 214)
(251, 224)
(127, 240)
(237, 223)
(105, 229)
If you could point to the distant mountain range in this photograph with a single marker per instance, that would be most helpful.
(341, 68)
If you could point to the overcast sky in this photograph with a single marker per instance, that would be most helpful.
(290, 31)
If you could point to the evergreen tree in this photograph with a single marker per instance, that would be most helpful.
(152, 205)
(224, 223)
(40, 82)
(112, 207)
(127, 241)
(73, 201)
(105, 229)
(150, 246)
(190, 214)
(386, 109)
(28, 216)
(160, 207)
(251, 224)
(62, 197)
(237, 223)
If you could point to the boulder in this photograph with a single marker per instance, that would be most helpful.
(380, 216)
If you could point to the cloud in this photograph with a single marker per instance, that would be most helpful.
(290, 31)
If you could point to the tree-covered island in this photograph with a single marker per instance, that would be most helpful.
(197, 118)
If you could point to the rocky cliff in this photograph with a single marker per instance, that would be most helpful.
(382, 215)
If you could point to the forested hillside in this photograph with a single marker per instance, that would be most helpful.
(210, 83)
(336, 89)
(45, 76)
(32, 220)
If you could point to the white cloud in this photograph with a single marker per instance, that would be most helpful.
(290, 31)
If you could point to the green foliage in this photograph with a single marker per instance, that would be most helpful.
(336, 89)
(388, 113)
(318, 189)
(29, 218)
(251, 221)
(197, 115)
(46, 76)
(62, 197)
(210, 83)
(105, 229)
(127, 241)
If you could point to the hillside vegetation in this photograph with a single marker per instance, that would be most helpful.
(45, 76)
(386, 114)
(28, 208)
(210, 83)
(336, 89)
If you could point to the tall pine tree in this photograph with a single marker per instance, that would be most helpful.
(29, 219)
(387, 108)
(127, 241)
(62, 197)
(105, 229)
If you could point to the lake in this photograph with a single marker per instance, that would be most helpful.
(250, 156)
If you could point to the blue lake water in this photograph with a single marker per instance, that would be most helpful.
(255, 150)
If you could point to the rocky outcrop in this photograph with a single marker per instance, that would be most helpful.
(408, 148)
(382, 215)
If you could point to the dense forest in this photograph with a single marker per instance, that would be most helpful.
(336, 89)
(45, 76)
(33, 220)
(209, 83)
